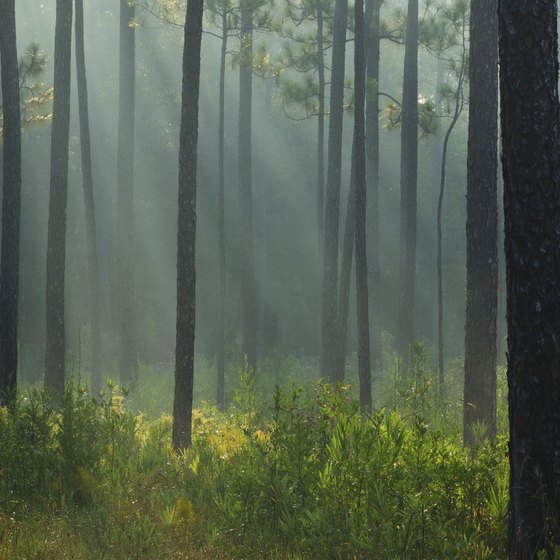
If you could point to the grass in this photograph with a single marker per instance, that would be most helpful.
(291, 473)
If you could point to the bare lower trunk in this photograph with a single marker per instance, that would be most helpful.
(364, 368)
(87, 177)
(406, 334)
(220, 388)
(248, 280)
(11, 205)
(128, 359)
(346, 273)
(330, 328)
(530, 118)
(186, 232)
(482, 224)
(372, 176)
(56, 241)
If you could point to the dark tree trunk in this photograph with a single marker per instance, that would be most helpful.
(360, 202)
(482, 222)
(331, 225)
(220, 389)
(87, 177)
(528, 49)
(186, 231)
(320, 134)
(128, 363)
(406, 333)
(248, 280)
(56, 241)
(11, 204)
(372, 176)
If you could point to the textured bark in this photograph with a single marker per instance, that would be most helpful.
(248, 280)
(332, 209)
(11, 204)
(128, 365)
(409, 165)
(220, 388)
(528, 48)
(372, 177)
(482, 222)
(56, 239)
(87, 178)
(186, 231)
(364, 367)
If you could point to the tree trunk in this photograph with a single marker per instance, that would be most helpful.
(360, 202)
(266, 155)
(220, 389)
(248, 280)
(409, 164)
(372, 177)
(186, 231)
(331, 226)
(56, 239)
(128, 363)
(320, 134)
(528, 49)
(457, 113)
(11, 205)
(87, 177)
(346, 273)
(482, 222)
(437, 148)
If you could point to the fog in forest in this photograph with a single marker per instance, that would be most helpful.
(279, 279)
(284, 205)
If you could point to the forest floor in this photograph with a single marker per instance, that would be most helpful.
(297, 474)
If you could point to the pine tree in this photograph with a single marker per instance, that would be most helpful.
(528, 52)
(11, 204)
(186, 232)
(56, 241)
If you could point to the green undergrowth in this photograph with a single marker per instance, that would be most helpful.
(300, 474)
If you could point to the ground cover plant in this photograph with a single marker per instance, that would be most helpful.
(298, 473)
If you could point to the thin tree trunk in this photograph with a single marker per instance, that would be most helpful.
(11, 205)
(56, 239)
(456, 114)
(320, 135)
(220, 390)
(186, 231)
(128, 360)
(248, 280)
(263, 205)
(437, 149)
(362, 304)
(346, 273)
(330, 327)
(482, 223)
(409, 165)
(372, 177)
(87, 177)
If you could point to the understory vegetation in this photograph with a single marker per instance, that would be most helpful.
(299, 473)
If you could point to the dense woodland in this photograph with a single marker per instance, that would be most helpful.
(280, 279)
